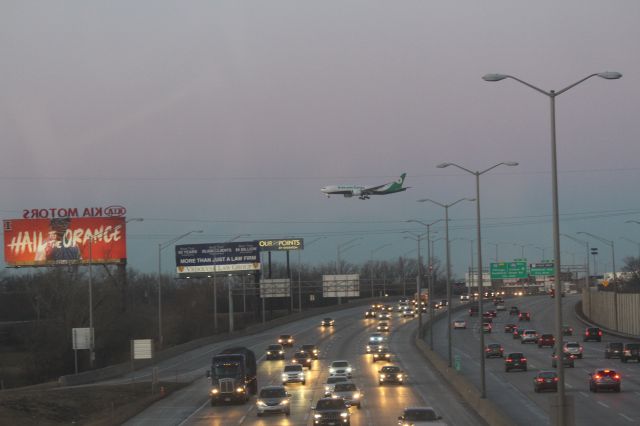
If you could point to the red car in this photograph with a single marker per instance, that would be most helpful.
(546, 340)
(524, 316)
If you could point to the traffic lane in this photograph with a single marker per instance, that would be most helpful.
(188, 403)
(542, 319)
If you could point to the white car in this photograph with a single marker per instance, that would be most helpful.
(464, 298)
(349, 392)
(273, 399)
(529, 336)
(293, 373)
(459, 323)
(340, 368)
(574, 348)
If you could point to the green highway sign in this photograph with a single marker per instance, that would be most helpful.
(545, 269)
(508, 270)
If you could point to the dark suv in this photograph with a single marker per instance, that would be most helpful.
(613, 350)
(331, 411)
(514, 310)
(592, 333)
(303, 358)
(631, 352)
(515, 361)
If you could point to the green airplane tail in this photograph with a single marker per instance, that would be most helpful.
(397, 185)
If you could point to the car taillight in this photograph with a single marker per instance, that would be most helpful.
(617, 377)
(539, 380)
(586, 333)
(487, 350)
(509, 360)
(555, 379)
(523, 359)
(599, 333)
(597, 376)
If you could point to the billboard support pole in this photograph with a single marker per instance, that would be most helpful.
(229, 283)
(215, 303)
(91, 346)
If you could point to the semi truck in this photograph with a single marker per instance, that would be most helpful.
(233, 376)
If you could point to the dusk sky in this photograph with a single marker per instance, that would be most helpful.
(229, 116)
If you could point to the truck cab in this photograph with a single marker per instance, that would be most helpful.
(233, 376)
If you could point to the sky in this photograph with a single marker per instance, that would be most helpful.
(229, 116)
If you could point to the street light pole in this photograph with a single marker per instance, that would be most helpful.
(417, 238)
(371, 265)
(161, 247)
(552, 94)
(448, 265)
(477, 174)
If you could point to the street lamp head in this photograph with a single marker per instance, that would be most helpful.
(510, 163)
(494, 77)
(443, 165)
(610, 75)
(470, 199)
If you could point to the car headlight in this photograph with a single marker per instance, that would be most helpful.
(260, 403)
(284, 376)
(356, 395)
(239, 390)
(387, 355)
(268, 353)
(344, 414)
(308, 359)
(332, 370)
(327, 388)
(280, 352)
(348, 369)
(317, 416)
(382, 376)
(399, 376)
(284, 401)
(214, 391)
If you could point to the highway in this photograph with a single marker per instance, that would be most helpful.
(513, 391)
(381, 405)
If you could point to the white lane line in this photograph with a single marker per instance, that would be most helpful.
(603, 404)
(242, 419)
(626, 417)
(569, 385)
(195, 412)
(586, 395)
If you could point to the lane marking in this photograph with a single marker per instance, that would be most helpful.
(586, 395)
(626, 417)
(208, 401)
(603, 404)
(569, 385)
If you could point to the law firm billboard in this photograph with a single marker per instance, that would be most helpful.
(232, 257)
(64, 241)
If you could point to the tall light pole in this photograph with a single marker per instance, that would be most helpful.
(429, 280)
(552, 94)
(299, 269)
(448, 262)
(161, 247)
(417, 238)
(477, 174)
(542, 252)
(92, 346)
(522, 246)
(371, 265)
(611, 244)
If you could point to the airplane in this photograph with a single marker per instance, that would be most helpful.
(364, 192)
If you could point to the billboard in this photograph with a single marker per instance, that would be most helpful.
(275, 287)
(286, 244)
(341, 285)
(206, 259)
(64, 241)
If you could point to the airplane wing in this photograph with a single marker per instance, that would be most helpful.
(371, 189)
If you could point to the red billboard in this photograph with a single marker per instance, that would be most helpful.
(64, 241)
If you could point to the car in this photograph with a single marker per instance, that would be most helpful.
(415, 416)
(390, 374)
(273, 399)
(501, 307)
(375, 340)
(493, 313)
(524, 316)
(486, 327)
(592, 333)
(487, 316)
(331, 411)
(387, 308)
(517, 332)
(459, 323)
(370, 314)
(630, 352)
(464, 297)
(327, 322)
(510, 328)
(303, 358)
(547, 340)
(529, 336)
(274, 352)
(514, 310)
(545, 380)
(293, 373)
(473, 310)
(340, 368)
(408, 313)
(498, 301)
(567, 330)
(494, 350)
(383, 326)
(444, 303)
(311, 350)
(331, 382)
(286, 340)
(384, 316)
(613, 350)
(574, 348)
(382, 354)
(604, 379)
(515, 361)
(568, 360)
(349, 392)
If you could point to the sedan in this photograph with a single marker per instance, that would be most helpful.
(510, 328)
(327, 322)
(390, 374)
(459, 323)
(381, 355)
(546, 340)
(415, 416)
(568, 360)
(524, 316)
(349, 392)
(545, 380)
(494, 350)
(303, 358)
(567, 331)
(574, 348)
(486, 327)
